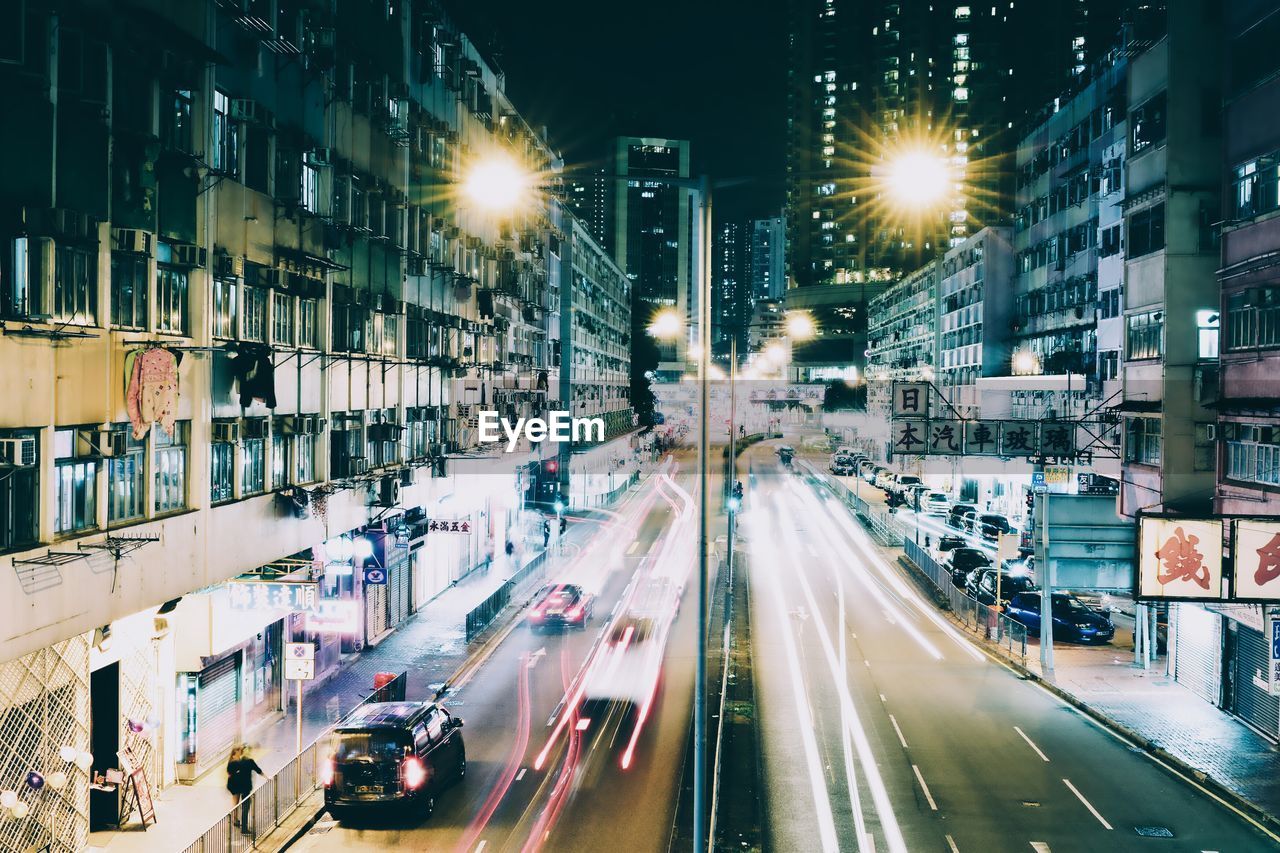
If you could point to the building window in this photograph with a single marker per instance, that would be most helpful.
(75, 285)
(171, 468)
(1111, 244)
(129, 289)
(125, 490)
(346, 446)
(171, 299)
(1255, 188)
(305, 448)
(226, 148)
(1252, 453)
(308, 323)
(282, 318)
(280, 468)
(1142, 440)
(176, 124)
(254, 326)
(225, 301)
(19, 500)
(222, 471)
(253, 466)
(1148, 124)
(77, 484)
(384, 439)
(1207, 335)
(1145, 335)
(1109, 365)
(1146, 231)
(1253, 318)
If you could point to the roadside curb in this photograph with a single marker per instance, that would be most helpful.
(1170, 762)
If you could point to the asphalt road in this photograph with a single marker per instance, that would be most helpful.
(883, 727)
(578, 797)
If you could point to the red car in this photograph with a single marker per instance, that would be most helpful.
(560, 605)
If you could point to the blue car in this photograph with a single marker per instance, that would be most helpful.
(1073, 622)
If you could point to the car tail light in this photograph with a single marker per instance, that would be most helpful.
(575, 612)
(415, 774)
(326, 772)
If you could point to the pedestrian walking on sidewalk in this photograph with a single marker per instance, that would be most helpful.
(546, 534)
(240, 770)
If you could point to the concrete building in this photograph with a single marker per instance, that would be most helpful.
(652, 227)
(1248, 425)
(976, 303)
(768, 258)
(903, 342)
(276, 246)
(586, 193)
(1171, 295)
(730, 287)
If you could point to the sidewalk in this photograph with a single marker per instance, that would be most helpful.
(430, 646)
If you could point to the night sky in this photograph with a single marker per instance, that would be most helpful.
(709, 71)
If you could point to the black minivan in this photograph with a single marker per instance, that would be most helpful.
(388, 753)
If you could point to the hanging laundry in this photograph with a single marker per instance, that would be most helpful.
(153, 391)
(255, 373)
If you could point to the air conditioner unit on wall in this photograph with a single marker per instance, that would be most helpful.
(389, 491)
(18, 452)
(226, 431)
(131, 240)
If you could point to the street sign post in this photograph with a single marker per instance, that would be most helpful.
(1275, 656)
(299, 666)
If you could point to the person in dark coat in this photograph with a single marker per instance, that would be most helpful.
(240, 770)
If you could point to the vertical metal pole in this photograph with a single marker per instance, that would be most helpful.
(1046, 594)
(1153, 639)
(700, 685)
(298, 750)
(1139, 624)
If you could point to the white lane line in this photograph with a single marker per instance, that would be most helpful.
(655, 544)
(896, 728)
(951, 843)
(1040, 847)
(1088, 805)
(481, 846)
(1031, 744)
(867, 662)
(925, 788)
(520, 775)
(634, 546)
(808, 737)
(882, 699)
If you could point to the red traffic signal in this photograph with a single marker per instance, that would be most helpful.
(552, 466)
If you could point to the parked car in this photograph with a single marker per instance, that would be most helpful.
(885, 479)
(934, 503)
(963, 561)
(389, 754)
(865, 467)
(990, 526)
(948, 543)
(960, 515)
(560, 605)
(981, 585)
(906, 481)
(845, 450)
(1073, 622)
(842, 466)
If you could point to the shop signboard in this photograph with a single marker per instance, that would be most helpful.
(335, 615)
(1180, 558)
(272, 595)
(1256, 546)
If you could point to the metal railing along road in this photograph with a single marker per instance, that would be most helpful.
(879, 521)
(1009, 636)
(261, 812)
(480, 616)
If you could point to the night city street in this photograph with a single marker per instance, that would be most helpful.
(494, 426)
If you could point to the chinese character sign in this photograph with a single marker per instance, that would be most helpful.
(1057, 439)
(910, 436)
(945, 437)
(981, 438)
(451, 526)
(1018, 438)
(269, 595)
(1256, 547)
(1180, 558)
(910, 399)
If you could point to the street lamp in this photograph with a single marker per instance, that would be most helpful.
(666, 325)
(918, 179)
(497, 184)
(1025, 363)
(800, 325)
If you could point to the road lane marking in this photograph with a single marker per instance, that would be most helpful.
(901, 739)
(1040, 847)
(520, 775)
(951, 843)
(808, 737)
(656, 543)
(882, 699)
(867, 662)
(634, 546)
(925, 788)
(1031, 744)
(481, 846)
(1088, 805)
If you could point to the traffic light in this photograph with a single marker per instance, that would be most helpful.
(560, 509)
(734, 502)
(551, 466)
(1031, 501)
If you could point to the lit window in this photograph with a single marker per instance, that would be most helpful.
(961, 93)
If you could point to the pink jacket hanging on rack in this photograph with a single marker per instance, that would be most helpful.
(153, 391)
